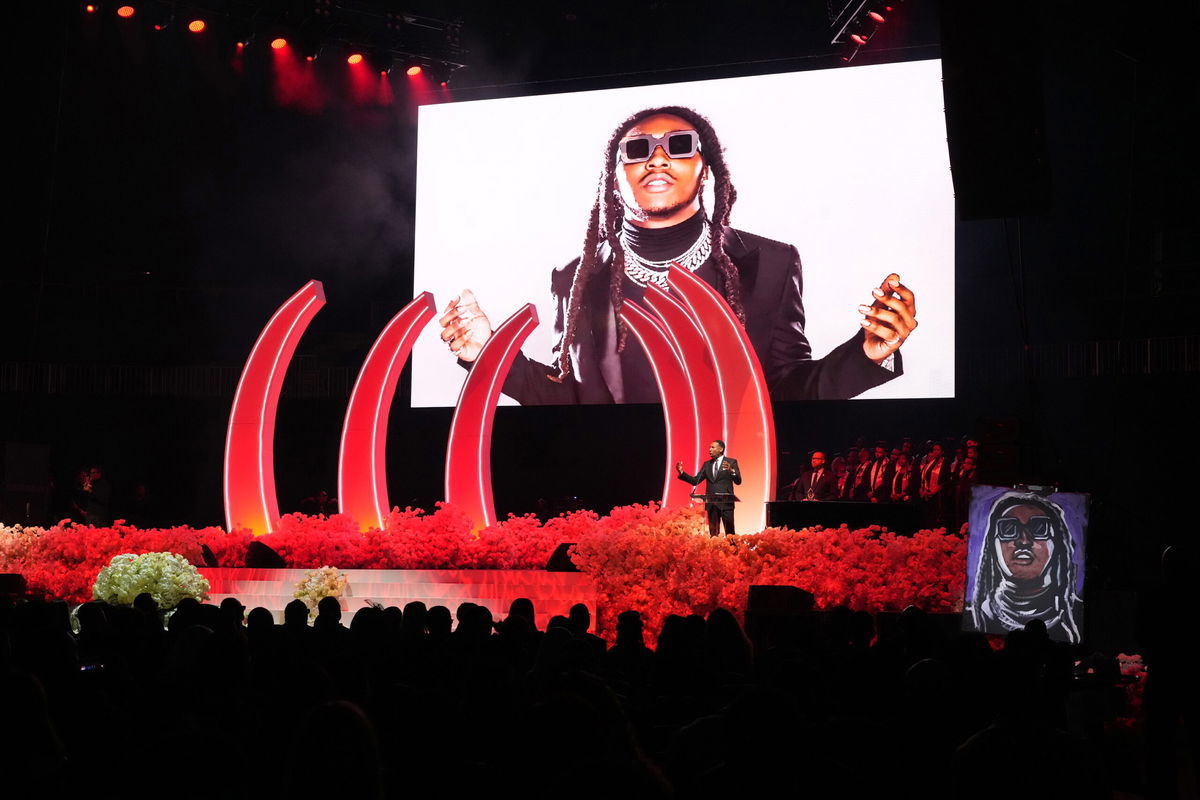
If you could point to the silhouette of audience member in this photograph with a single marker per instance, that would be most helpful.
(523, 607)
(438, 621)
(233, 613)
(727, 650)
(579, 620)
(335, 754)
(329, 615)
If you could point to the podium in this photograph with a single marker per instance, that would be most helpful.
(727, 499)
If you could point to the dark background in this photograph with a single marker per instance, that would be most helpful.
(164, 204)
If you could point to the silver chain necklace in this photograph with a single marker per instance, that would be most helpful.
(643, 271)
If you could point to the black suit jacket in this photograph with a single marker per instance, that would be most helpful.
(882, 492)
(772, 295)
(722, 483)
(823, 488)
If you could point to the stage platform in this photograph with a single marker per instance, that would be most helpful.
(551, 592)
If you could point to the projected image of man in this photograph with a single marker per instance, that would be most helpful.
(649, 212)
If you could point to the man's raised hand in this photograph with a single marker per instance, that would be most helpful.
(465, 328)
(890, 318)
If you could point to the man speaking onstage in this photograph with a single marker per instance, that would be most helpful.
(721, 474)
(649, 212)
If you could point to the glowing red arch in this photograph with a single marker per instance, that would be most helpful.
(362, 462)
(249, 482)
(469, 450)
(678, 398)
(700, 368)
(749, 423)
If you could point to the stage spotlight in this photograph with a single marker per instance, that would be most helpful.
(875, 15)
(278, 44)
(196, 25)
(89, 8)
(413, 71)
(355, 58)
(125, 12)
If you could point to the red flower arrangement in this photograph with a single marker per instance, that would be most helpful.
(64, 560)
(657, 561)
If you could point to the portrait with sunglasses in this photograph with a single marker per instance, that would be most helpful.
(1025, 563)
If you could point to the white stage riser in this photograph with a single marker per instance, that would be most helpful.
(551, 592)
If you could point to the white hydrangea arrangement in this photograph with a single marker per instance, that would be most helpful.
(319, 583)
(168, 577)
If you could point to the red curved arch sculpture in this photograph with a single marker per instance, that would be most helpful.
(362, 463)
(469, 450)
(249, 479)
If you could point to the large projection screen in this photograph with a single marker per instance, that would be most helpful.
(850, 165)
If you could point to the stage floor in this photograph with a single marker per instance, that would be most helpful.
(551, 592)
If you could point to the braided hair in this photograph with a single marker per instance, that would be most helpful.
(607, 216)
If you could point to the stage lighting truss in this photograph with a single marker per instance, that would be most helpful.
(314, 27)
(857, 23)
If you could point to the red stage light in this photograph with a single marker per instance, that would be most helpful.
(89, 8)
(355, 58)
(240, 45)
(308, 58)
(443, 84)
(412, 72)
(875, 15)
(858, 40)
(278, 44)
(125, 12)
(196, 25)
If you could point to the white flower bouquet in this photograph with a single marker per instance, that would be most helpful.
(319, 583)
(168, 577)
